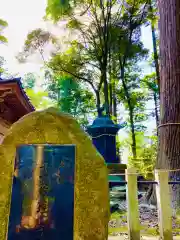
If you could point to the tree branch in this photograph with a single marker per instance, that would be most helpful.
(76, 76)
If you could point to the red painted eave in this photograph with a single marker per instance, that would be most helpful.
(14, 99)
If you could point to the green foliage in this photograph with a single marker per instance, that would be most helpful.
(4, 72)
(146, 147)
(36, 41)
(151, 82)
(2, 62)
(111, 28)
(3, 24)
(153, 12)
(36, 38)
(74, 62)
(55, 9)
(137, 96)
(29, 80)
(67, 63)
(105, 54)
(106, 30)
(3, 39)
(72, 98)
(74, 24)
(146, 156)
(39, 99)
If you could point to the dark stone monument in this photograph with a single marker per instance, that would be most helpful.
(103, 132)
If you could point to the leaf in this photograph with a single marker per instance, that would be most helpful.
(56, 9)
(74, 24)
(39, 99)
(3, 23)
(72, 97)
(3, 39)
(35, 42)
(29, 81)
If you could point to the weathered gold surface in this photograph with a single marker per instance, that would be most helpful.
(91, 212)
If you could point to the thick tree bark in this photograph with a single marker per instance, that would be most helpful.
(169, 152)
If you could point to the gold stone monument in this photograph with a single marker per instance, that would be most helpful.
(91, 209)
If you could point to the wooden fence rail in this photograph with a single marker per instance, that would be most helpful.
(163, 204)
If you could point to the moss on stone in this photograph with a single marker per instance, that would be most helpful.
(91, 214)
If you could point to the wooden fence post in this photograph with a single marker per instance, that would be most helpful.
(132, 205)
(164, 204)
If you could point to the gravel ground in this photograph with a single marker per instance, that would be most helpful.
(148, 219)
(142, 238)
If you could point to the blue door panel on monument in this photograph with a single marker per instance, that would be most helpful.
(42, 203)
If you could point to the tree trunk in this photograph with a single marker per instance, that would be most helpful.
(131, 115)
(156, 62)
(105, 90)
(114, 106)
(110, 98)
(113, 83)
(151, 195)
(114, 100)
(156, 58)
(98, 101)
(169, 151)
(110, 63)
(155, 51)
(133, 134)
(156, 109)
